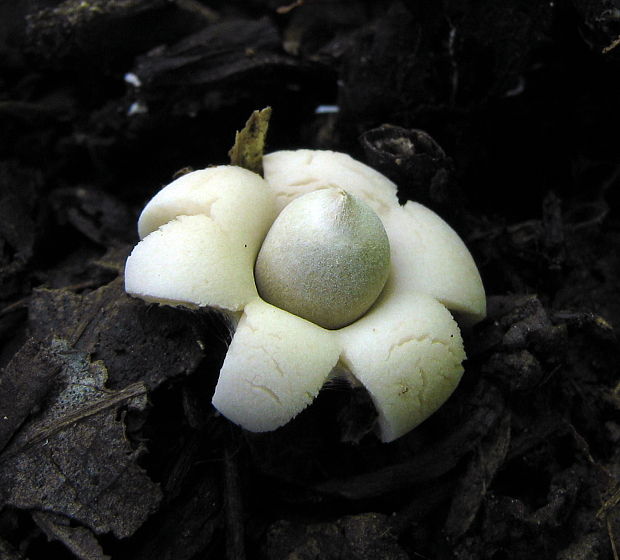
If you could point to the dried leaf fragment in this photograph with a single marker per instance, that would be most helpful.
(250, 142)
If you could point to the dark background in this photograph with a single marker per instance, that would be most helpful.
(503, 116)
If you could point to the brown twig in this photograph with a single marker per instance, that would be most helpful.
(235, 546)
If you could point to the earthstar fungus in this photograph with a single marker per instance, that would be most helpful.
(347, 279)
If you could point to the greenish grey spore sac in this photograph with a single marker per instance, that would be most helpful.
(326, 258)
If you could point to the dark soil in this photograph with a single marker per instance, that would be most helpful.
(503, 116)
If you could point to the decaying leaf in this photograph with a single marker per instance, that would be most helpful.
(23, 385)
(74, 459)
(197, 511)
(66, 451)
(79, 540)
(136, 342)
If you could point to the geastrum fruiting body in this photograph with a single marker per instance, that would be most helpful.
(322, 270)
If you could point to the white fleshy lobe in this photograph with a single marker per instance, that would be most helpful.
(429, 257)
(274, 368)
(292, 173)
(190, 261)
(240, 202)
(408, 353)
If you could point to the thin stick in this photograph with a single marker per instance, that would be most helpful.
(235, 545)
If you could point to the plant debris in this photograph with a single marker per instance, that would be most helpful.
(85, 468)
(250, 142)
